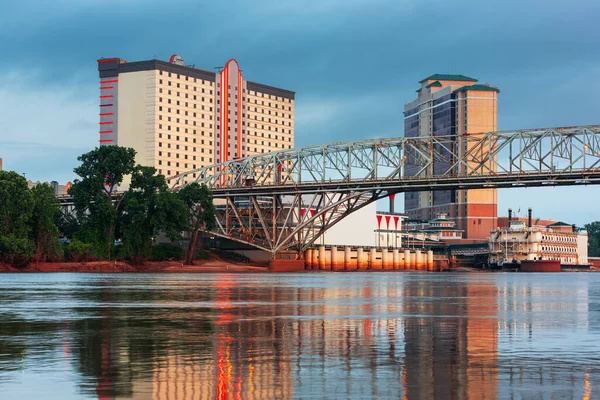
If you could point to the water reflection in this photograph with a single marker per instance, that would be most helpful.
(231, 336)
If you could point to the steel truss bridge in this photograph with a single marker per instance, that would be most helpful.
(285, 200)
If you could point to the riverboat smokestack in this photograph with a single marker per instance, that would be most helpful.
(529, 217)
(509, 214)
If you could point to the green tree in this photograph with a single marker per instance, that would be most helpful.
(593, 230)
(149, 209)
(199, 202)
(593, 247)
(44, 230)
(16, 208)
(95, 195)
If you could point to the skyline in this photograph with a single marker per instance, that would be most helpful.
(353, 67)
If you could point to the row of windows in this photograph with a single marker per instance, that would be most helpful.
(187, 78)
(269, 96)
(269, 104)
(160, 108)
(177, 120)
(262, 111)
(560, 249)
(160, 126)
(269, 120)
(194, 97)
(178, 103)
(268, 128)
(185, 139)
(177, 147)
(560, 239)
(175, 172)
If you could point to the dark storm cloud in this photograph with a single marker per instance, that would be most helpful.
(352, 63)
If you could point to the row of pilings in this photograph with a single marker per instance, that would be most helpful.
(361, 259)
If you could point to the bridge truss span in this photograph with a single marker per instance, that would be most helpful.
(287, 199)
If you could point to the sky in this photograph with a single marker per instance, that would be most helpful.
(352, 63)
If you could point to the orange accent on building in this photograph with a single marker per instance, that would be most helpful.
(106, 114)
(105, 123)
(106, 87)
(109, 81)
(107, 96)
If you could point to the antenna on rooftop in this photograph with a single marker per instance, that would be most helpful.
(218, 69)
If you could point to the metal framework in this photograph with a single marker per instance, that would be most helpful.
(287, 199)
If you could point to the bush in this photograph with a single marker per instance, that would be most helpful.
(77, 251)
(166, 252)
(16, 251)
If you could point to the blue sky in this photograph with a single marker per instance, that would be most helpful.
(352, 63)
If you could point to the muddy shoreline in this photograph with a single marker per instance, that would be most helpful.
(214, 266)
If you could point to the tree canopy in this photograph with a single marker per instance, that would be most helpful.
(114, 200)
(201, 213)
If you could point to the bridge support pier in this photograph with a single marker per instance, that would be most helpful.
(418, 260)
(385, 260)
(337, 259)
(407, 260)
(361, 259)
(396, 259)
(349, 265)
(308, 258)
(430, 266)
(323, 259)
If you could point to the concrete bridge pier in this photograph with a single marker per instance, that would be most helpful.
(386, 260)
(430, 266)
(396, 259)
(322, 258)
(308, 258)
(337, 259)
(407, 259)
(315, 259)
(361, 259)
(419, 260)
(349, 264)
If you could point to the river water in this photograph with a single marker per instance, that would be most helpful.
(307, 336)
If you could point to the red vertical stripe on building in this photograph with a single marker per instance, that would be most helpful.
(224, 122)
(239, 127)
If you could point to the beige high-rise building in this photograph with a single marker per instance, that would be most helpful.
(449, 105)
(179, 118)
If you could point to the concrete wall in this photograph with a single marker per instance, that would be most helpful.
(136, 115)
(357, 229)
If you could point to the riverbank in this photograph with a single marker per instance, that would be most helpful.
(208, 266)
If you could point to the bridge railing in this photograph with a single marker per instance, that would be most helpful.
(549, 152)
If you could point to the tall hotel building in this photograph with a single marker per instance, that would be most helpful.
(179, 118)
(453, 105)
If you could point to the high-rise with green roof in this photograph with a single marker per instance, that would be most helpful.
(451, 104)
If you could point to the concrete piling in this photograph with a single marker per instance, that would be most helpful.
(386, 260)
(308, 258)
(337, 259)
(349, 263)
(361, 259)
(350, 259)
(322, 259)
(418, 260)
(430, 266)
